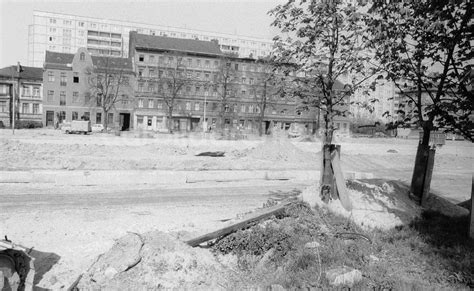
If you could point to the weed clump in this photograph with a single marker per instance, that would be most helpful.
(281, 234)
(296, 248)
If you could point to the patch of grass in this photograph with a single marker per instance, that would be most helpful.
(431, 252)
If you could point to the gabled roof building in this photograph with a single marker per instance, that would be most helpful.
(71, 89)
(27, 86)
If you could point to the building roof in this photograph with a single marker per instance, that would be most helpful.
(58, 58)
(64, 60)
(152, 42)
(30, 73)
(111, 62)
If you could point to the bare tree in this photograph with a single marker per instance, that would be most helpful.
(270, 83)
(172, 78)
(108, 80)
(225, 85)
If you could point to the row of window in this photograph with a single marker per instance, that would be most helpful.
(63, 78)
(104, 42)
(172, 60)
(124, 100)
(105, 27)
(147, 121)
(3, 106)
(104, 34)
(34, 91)
(63, 116)
(190, 74)
(62, 97)
(199, 63)
(64, 49)
(105, 52)
(30, 108)
(158, 104)
(204, 91)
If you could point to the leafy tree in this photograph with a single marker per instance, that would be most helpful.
(108, 81)
(325, 42)
(425, 49)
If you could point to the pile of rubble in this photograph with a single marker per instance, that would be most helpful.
(153, 260)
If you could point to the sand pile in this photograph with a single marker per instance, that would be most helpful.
(376, 203)
(153, 260)
(280, 150)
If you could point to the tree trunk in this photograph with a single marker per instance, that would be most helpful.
(420, 180)
(170, 119)
(11, 105)
(262, 110)
(327, 175)
(105, 121)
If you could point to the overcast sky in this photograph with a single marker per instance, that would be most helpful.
(236, 17)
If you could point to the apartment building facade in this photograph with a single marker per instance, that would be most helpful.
(386, 106)
(70, 89)
(207, 74)
(67, 33)
(27, 87)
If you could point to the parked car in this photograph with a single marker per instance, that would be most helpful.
(77, 126)
(380, 134)
(65, 127)
(97, 128)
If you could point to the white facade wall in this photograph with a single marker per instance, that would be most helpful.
(66, 33)
(384, 93)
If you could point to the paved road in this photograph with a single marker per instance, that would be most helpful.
(17, 197)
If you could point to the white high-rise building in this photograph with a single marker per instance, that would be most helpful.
(66, 33)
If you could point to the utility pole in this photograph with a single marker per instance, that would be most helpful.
(12, 106)
(19, 69)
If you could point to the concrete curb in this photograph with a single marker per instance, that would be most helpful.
(123, 177)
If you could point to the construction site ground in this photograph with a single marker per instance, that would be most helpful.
(72, 196)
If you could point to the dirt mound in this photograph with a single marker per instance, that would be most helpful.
(376, 203)
(280, 150)
(153, 260)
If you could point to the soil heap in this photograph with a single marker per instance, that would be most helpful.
(281, 150)
(153, 260)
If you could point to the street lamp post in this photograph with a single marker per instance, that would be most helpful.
(204, 122)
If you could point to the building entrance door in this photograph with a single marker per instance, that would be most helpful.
(267, 127)
(49, 118)
(124, 121)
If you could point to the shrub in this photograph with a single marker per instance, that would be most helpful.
(28, 124)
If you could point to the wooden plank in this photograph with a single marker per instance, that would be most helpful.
(341, 183)
(336, 149)
(327, 179)
(239, 225)
(419, 172)
(428, 176)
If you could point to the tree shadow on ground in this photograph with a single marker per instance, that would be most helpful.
(44, 261)
(281, 195)
(448, 244)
